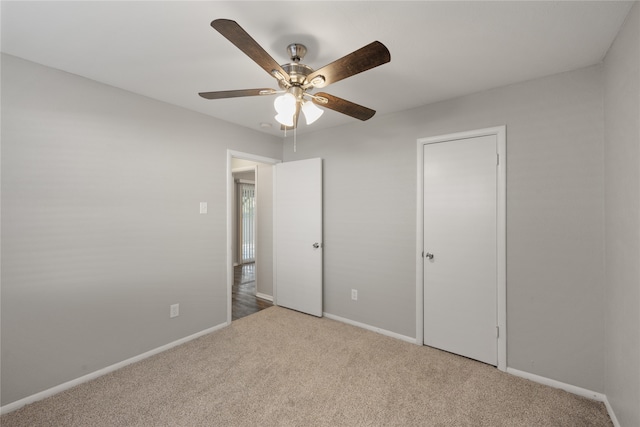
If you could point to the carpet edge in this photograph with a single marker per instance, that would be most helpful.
(10, 407)
(583, 392)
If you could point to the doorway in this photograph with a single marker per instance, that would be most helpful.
(244, 295)
(460, 262)
(249, 236)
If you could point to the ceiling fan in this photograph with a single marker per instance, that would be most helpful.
(297, 80)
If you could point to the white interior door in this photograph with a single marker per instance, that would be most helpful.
(298, 236)
(460, 245)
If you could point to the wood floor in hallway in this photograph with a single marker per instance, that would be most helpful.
(244, 299)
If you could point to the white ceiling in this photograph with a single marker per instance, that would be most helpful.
(439, 50)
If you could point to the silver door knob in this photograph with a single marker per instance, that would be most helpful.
(428, 255)
(316, 245)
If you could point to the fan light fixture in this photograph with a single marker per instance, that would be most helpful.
(286, 106)
(285, 120)
(311, 112)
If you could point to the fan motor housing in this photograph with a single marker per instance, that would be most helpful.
(297, 72)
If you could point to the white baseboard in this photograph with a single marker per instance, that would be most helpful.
(370, 328)
(557, 384)
(93, 375)
(264, 296)
(612, 414)
(600, 397)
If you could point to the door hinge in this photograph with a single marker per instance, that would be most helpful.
(497, 159)
(497, 331)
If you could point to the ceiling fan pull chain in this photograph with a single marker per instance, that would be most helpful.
(295, 139)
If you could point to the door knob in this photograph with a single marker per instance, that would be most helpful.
(428, 255)
(316, 245)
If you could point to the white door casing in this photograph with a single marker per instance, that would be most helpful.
(461, 222)
(298, 236)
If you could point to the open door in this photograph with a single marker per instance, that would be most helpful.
(298, 236)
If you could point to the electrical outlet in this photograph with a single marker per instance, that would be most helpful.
(354, 294)
(174, 310)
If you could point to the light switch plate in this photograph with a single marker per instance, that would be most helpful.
(174, 310)
(203, 207)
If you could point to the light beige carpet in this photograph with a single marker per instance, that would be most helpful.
(283, 368)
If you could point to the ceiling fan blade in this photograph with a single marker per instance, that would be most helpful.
(343, 106)
(243, 41)
(363, 59)
(236, 93)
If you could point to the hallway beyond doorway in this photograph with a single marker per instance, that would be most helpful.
(244, 300)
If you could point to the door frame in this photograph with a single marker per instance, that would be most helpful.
(501, 303)
(230, 195)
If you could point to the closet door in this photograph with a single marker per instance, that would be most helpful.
(460, 245)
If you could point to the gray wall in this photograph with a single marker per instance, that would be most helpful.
(247, 175)
(622, 213)
(555, 266)
(100, 224)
